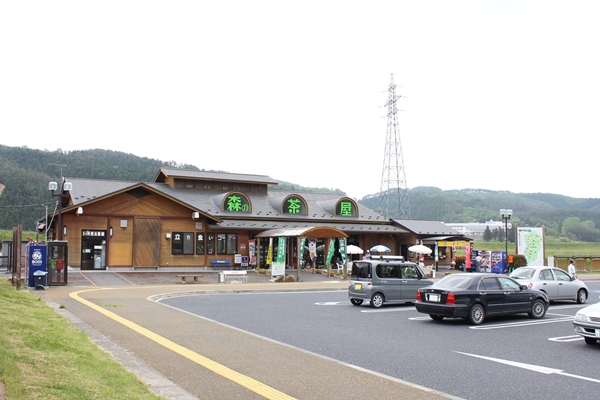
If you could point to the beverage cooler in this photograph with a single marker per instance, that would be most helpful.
(58, 263)
(498, 262)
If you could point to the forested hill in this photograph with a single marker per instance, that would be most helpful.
(561, 215)
(25, 174)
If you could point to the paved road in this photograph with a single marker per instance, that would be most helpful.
(181, 356)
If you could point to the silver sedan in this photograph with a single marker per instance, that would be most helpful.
(555, 282)
(587, 323)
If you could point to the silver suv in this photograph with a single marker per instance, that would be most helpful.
(385, 282)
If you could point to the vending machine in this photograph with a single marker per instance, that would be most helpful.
(499, 262)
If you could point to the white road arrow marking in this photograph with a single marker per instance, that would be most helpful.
(531, 367)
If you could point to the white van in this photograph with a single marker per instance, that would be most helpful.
(386, 282)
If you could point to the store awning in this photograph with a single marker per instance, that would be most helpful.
(348, 228)
(313, 232)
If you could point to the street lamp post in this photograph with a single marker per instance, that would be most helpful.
(65, 188)
(505, 217)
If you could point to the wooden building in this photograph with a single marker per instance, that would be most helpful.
(202, 219)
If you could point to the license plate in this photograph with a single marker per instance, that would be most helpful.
(598, 333)
(357, 286)
(433, 297)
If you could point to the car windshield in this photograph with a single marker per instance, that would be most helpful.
(522, 273)
(454, 281)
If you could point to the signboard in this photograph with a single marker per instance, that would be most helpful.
(461, 243)
(530, 243)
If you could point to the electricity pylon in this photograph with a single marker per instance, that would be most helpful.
(393, 201)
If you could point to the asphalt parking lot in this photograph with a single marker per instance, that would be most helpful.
(135, 331)
(182, 357)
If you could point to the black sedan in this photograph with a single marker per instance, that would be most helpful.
(475, 296)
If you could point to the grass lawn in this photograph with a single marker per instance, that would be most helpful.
(42, 356)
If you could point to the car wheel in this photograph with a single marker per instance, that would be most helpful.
(476, 314)
(538, 309)
(377, 300)
(436, 317)
(581, 296)
(590, 340)
(356, 302)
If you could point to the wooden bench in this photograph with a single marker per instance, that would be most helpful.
(233, 276)
(220, 263)
(184, 277)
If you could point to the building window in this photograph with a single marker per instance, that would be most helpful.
(210, 243)
(182, 243)
(226, 243)
(236, 203)
(200, 243)
(294, 205)
(345, 208)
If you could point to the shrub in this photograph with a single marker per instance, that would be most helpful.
(460, 260)
(519, 260)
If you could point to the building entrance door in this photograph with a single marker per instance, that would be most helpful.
(93, 250)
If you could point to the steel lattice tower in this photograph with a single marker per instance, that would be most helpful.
(393, 193)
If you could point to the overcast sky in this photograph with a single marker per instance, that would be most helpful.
(500, 95)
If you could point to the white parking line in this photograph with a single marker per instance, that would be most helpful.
(384, 310)
(531, 367)
(572, 338)
(519, 324)
(566, 306)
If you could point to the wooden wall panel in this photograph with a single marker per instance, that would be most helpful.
(119, 249)
(146, 242)
(150, 205)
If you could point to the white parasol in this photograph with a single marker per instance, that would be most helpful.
(352, 249)
(421, 249)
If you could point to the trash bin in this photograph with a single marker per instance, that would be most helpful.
(221, 277)
(40, 279)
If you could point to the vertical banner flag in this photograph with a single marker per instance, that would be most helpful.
(278, 268)
(468, 256)
(301, 252)
(312, 249)
(437, 256)
(252, 251)
(342, 245)
(270, 252)
(330, 251)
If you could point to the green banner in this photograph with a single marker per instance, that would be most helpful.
(278, 268)
(330, 252)
(301, 252)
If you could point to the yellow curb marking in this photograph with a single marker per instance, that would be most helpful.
(242, 380)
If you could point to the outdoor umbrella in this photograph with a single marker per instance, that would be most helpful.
(421, 249)
(352, 249)
(380, 249)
